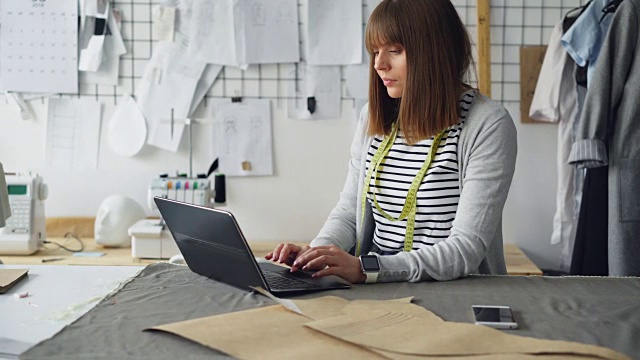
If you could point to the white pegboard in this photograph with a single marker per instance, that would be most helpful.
(514, 23)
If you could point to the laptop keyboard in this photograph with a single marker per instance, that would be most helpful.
(279, 281)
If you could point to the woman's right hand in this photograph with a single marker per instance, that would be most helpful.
(287, 254)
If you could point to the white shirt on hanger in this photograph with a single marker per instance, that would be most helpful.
(555, 100)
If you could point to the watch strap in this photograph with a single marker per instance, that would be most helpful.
(372, 277)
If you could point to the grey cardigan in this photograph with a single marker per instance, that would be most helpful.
(486, 155)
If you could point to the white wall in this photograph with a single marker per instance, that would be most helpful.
(310, 165)
(310, 156)
(528, 214)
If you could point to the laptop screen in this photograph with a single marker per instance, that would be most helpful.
(211, 243)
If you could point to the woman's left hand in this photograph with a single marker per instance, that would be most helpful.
(331, 260)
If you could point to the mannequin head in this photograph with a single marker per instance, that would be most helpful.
(115, 215)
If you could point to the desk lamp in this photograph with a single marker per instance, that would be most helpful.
(5, 211)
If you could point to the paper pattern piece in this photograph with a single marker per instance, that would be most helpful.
(367, 329)
(273, 332)
(9, 277)
(242, 137)
(395, 332)
(39, 42)
(73, 134)
(183, 16)
(164, 20)
(320, 82)
(242, 32)
(127, 129)
(335, 32)
(168, 85)
(288, 304)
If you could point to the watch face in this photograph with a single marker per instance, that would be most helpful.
(370, 263)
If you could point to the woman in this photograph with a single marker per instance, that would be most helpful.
(418, 215)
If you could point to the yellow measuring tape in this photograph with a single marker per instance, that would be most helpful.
(410, 205)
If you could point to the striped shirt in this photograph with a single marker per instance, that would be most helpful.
(438, 194)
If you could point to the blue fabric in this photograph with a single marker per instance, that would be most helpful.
(585, 37)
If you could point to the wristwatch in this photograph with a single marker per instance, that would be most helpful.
(370, 267)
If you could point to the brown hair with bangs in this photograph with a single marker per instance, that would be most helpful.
(439, 60)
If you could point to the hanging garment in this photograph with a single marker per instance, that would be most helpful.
(610, 117)
(583, 41)
(590, 254)
(554, 100)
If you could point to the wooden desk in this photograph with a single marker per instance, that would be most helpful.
(517, 261)
(112, 256)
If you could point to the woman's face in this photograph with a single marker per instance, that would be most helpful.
(391, 65)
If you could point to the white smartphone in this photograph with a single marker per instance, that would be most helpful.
(495, 316)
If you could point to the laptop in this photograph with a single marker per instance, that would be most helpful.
(212, 245)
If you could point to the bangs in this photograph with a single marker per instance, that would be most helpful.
(383, 27)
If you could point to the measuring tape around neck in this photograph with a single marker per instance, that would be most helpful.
(410, 206)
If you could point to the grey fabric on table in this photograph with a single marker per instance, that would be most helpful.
(593, 310)
(10, 348)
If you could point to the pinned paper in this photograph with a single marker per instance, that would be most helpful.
(109, 70)
(73, 133)
(91, 56)
(243, 139)
(34, 60)
(26, 111)
(127, 129)
(93, 7)
(320, 83)
(242, 32)
(169, 84)
(164, 20)
(335, 32)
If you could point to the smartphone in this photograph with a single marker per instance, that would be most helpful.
(495, 316)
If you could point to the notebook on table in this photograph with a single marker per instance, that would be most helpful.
(213, 245)
(10, 277)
